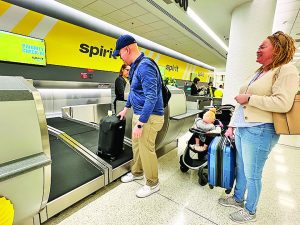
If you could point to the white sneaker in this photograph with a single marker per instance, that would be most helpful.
(146, 190)
(130, 177)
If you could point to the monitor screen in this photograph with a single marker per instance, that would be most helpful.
(22, 49)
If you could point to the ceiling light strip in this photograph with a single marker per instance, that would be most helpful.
(183, 26)
(206, 28)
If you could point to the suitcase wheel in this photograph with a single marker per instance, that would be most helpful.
(210, 186)
(183, 167)
(203, 176)
(227, 191)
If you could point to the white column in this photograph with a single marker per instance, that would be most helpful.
(251, 23)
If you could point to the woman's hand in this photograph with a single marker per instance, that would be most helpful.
(242, 98)
(229, 132)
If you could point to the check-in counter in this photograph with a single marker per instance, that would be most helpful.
(217, 101)
(25, 170)
(202, 101)
(73, 141)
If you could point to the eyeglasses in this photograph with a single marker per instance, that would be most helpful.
(127, 69)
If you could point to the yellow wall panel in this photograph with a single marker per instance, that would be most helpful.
(3, 7)
(28, 23)
(74, 46)
(70, 45)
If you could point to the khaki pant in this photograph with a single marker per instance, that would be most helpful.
(144, 155)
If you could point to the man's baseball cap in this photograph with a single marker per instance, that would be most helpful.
(123, 41)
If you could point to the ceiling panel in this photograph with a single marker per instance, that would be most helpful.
(134, 9)
(159, 24)
(130, 24)
(99, 8)
(142, 29)
(118, 4)
(148, 18)
(118, 16)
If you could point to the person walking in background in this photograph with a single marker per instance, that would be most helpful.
(145, 98)
(120, 84)
(252, 120)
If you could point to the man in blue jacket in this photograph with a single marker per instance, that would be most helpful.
(145, 98)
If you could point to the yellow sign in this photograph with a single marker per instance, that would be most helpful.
(21, 49)
(93, 50)
(75, 46)
(70, 45)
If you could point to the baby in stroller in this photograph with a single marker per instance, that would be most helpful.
(204, 130)
(203, 126)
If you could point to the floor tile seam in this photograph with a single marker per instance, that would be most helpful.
(194, 212)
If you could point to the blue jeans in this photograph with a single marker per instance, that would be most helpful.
(253, 146)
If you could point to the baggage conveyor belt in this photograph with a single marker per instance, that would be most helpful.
(73, 176)
(88, 137)
(76, 170)
(69, 169)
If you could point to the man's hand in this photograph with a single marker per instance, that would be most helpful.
(137, 130)
(123, 113)
(229, 133)
(242, 98)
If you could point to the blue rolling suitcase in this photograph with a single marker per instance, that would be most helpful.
(221, 163)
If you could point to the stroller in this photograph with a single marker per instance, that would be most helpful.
(191, 159)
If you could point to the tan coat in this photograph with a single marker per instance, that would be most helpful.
(267, 98)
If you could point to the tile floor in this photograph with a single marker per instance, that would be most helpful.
(182, 200)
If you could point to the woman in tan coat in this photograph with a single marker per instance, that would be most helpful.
(252, 120)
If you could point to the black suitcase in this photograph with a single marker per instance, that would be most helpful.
(111, 137)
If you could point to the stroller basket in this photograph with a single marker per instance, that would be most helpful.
(192, 159)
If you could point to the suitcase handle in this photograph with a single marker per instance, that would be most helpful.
(229, 141)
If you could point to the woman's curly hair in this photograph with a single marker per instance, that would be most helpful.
(284, 49)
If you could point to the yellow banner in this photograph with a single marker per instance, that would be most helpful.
(74, 46)
(70, 45)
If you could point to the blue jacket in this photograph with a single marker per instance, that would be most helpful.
(145, 95)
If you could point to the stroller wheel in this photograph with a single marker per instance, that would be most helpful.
(183, 167)
(203, 176)
(227, 191)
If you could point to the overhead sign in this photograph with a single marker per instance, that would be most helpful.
(22, 49)
(74, 46)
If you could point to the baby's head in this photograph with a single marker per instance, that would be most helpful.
(210, 116)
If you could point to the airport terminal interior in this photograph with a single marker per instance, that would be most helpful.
(57, 86)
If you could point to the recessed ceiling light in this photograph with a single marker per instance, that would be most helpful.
(206, 28)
